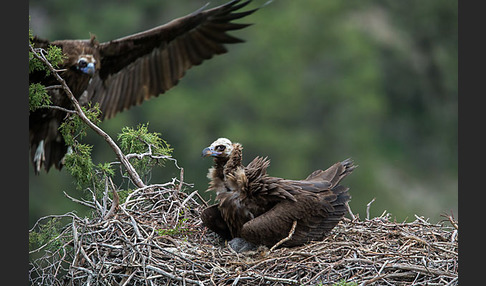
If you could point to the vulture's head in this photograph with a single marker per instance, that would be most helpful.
(81, 55)
(220, 148)
(86, 64)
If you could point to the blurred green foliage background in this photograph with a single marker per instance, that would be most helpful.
(315, 83)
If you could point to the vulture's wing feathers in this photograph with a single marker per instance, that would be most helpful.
(316, 203)
(211, 216)
(264, 186)
(260, 184)
(315, 216)
(138, 67)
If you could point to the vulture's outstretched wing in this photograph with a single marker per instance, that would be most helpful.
(144, 65)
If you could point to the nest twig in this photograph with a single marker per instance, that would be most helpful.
(155, 237)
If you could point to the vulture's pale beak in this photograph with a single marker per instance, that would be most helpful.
(210, 152)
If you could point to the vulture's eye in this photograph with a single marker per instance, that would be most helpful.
(82, 63)
(220, 148)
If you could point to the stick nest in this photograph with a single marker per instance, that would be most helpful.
(155, 237)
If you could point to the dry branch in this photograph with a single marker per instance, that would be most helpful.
(291, 233)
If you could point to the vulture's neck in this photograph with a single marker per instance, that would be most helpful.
(234, 160)
(223, 169)
(219, 164)
(227, 165)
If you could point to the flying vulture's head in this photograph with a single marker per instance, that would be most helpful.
(86, 64)
(81, 55)
(220, 148)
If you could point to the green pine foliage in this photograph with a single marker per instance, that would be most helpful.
(46, 235)
(80, 165)
(73, 129)
(343, 282)
(38, 96)
(179, 229)
(37, 93)
(140, 141)
(78, 161)
(53, 54)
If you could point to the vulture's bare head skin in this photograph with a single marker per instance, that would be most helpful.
(220, 148)
(86, 64)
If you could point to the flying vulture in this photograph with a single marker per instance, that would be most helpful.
(125, 72)
(255, 209)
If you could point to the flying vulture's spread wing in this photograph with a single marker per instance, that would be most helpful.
(254, 208)
(122, 73)
(140, 66)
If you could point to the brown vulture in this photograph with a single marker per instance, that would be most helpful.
(125, 72)
(254, 208)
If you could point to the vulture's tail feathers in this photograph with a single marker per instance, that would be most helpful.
(333, 174)
(348, 166)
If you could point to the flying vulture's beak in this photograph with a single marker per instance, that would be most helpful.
(89, 69)
(209, 152)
